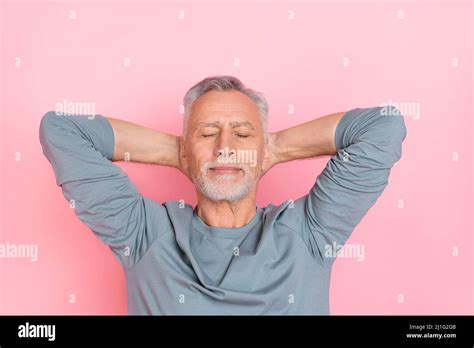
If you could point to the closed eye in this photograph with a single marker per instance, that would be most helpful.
(243, 135)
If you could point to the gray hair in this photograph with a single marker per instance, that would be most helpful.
(224, 83)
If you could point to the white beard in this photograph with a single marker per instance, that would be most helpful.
(222, 187)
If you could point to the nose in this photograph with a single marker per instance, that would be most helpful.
(224, 145)
(223, 152)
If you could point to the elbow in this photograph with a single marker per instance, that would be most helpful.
(394, 123)
(47, 123)
(392, 133)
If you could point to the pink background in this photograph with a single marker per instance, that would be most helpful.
(408, 251)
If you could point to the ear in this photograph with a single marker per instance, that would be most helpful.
(266, 163)
(183, 158)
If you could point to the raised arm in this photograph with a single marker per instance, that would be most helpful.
(310, 139)
(365, 143)
(80, 150)
(140, 144)
(300, 142)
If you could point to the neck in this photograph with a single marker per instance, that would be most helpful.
(227, 214)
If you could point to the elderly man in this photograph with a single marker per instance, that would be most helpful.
(226, 255)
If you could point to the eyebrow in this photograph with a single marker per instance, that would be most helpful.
(234, 124)
(207, 124)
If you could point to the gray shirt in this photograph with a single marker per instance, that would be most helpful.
(279, 263)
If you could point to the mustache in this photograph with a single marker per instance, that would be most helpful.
(208, 165)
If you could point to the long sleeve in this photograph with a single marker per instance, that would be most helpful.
(80, 150)
(368, 142)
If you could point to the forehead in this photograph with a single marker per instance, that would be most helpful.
(228, 106)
